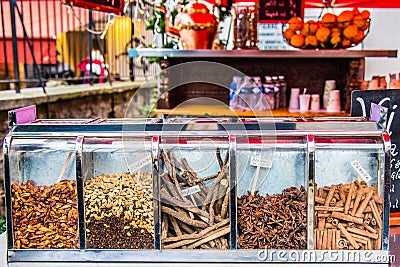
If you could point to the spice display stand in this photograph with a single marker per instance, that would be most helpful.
(303, 153)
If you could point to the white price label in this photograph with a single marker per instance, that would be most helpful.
(264, 163)
(361, 171)
(191, 190)
(140, 164)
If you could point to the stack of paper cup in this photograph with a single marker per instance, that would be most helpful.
(334, 101)
(304, 102)
(329, 86)
(314, 102)
(294, 99)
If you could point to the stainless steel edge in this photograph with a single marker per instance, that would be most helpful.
(310, 175)
(7, 188)
(386, 173)
(80, 191)
(323, 53)
(155, 156)
(200, 256)
(202, 134)
(233, 193)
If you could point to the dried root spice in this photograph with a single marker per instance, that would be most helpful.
(45, 217)
(193, 215)
(273, 222)
(348, 216)
(119, 211)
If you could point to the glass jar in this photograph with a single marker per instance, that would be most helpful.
(118, 193)
(272, 194)
(43, 193)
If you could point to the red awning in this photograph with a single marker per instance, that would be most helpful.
(355, 3)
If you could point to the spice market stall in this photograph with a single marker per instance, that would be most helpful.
(129, 191)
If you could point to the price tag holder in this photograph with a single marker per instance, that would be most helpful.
(361, 171)
(140, 164)
(191, 190)
(258, 162)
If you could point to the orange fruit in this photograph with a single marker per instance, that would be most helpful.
(359, 37)
(309, 28)
(344, 19)
(350, 32)
(288, 34)
(323, 34)
(356, 12)
(365, 14)
(335, 34)
(311, 40)
(335, 40)
(346, 43)
(329, 20)
(297, 40)
(360, 22)
(295, 24)
(335, 30)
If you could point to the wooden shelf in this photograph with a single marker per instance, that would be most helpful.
(254, 53)
(225, 111)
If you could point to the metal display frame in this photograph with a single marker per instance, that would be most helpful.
(307, 128)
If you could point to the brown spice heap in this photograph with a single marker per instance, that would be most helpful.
(45, 217)
(273, 222)
(348, 216)
(119, 211)
(197, 219)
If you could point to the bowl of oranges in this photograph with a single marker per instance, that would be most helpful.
(345, 30)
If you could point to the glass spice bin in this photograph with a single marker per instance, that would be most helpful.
(118, 193)
(272, 205)
(194, 192)
(348, 202)
(44, 204)
(220, 190)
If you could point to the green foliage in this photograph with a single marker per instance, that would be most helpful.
(146, 110)
(2, 225)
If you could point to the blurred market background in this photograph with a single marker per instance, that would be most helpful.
(48, 44)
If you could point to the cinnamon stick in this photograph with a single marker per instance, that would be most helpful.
(369, 228)
(319, 200)
(348, 236)
(376, 213)
(362, 232)
(330, 195)
(321, 224)
(329, 239)
(359, 194)
(364, 204)
(348, 199)
(325, 240)
(337, 238)
(324, 208)
(333, 243)
(320, 239)
(342, 194)
(348, 218)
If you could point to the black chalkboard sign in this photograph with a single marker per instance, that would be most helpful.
(272, 11)
(361, 106)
